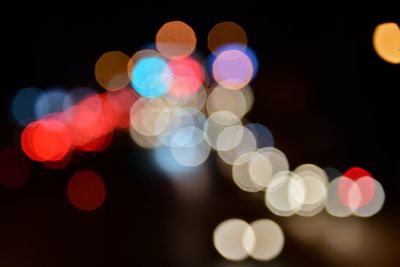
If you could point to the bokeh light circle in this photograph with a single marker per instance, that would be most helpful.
(152, 77)
(86, 190)
(175, 39)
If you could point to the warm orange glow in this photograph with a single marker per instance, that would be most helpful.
(110, 70)
(226, 33)
(386, 42)
(175, 39)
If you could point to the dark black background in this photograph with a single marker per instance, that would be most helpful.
(321, 89)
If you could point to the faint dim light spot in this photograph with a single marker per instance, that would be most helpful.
(110, 70)
(188, 77)
(14, 168)
(152, 77)
(53, 100)
(262, 134)
(165, 160)
(86, 190)
(23, 105)
(59, 164)
(76, 95)
(229, 239)
(386, 40)
(224, 33)
(266, 240)
(232, 67)
(175, 39)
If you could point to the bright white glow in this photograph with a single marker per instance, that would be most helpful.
(247, 144)
(241, 175)
(280, 193)
(216, 123)
(228, 239)
(268, 237)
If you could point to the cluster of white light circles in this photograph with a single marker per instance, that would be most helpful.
(184, 131)
(235, 239)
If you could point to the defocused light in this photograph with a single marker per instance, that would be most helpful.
(166, 161)
(53, 100)
(144, 140)
(230, 137)
(175, 39)
(232, 68)
(241, 175)
(268, 240)
(46, 140)
(334, 205)
(14, 168)
(86, 190)
(193, 103)
(355, 173)
(216, 123)
(357, 194)
(221, 99)
(138, 56)
(314, 184)
(280, 193)
(276, 158)
(122, 101)
(110, 70)
(229, 240)
(386, 42)
(260, 169)
(145, 114)
(194, 151)
(76, 95)
(262, 134)
(152, 77)
(23, 105)
(188, 77)
(225, 33)
(247, 144)
(376, 203)
(97, 144)
(90, 119)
